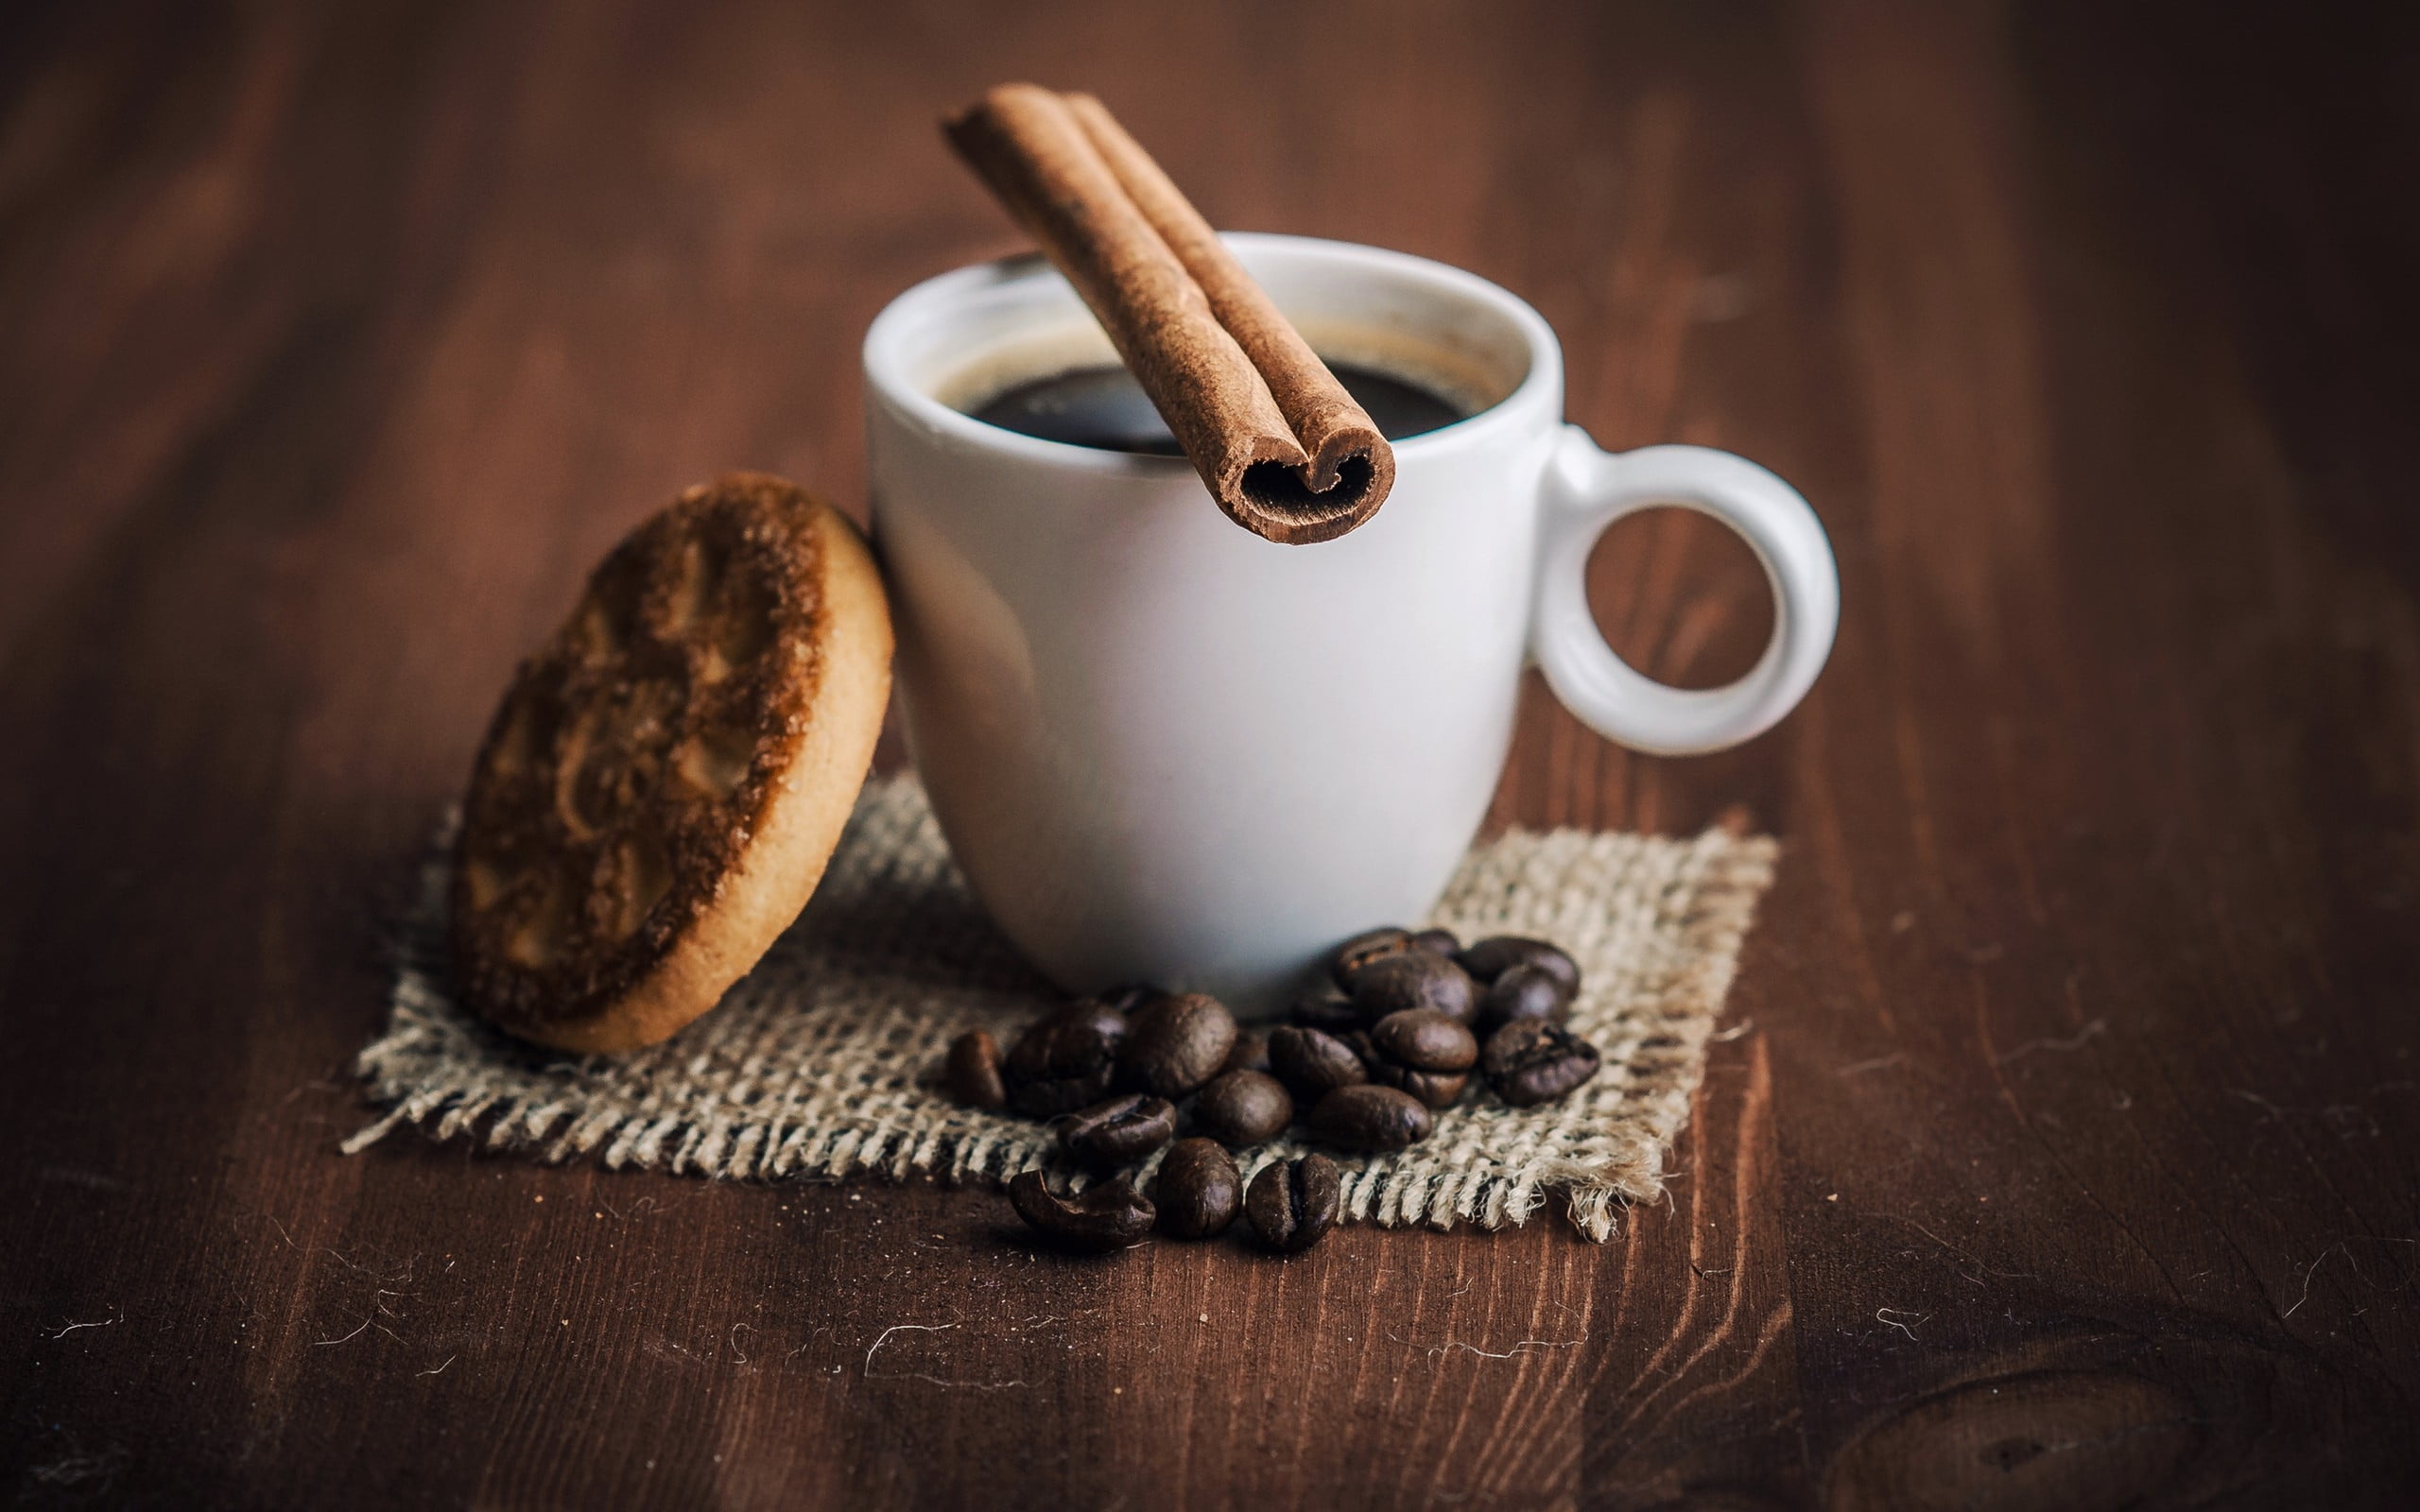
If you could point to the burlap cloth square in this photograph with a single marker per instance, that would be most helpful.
(822, 1063)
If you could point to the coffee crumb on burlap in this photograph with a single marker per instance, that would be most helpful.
(823, 1063)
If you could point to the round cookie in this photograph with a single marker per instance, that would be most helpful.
(658, 794)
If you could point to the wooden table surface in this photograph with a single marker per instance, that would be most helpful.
(2066, 1154)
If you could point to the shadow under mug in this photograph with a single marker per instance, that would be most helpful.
(1164, 749)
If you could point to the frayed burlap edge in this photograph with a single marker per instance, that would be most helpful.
(819, 1065)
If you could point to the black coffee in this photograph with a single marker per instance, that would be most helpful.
(1104, 407)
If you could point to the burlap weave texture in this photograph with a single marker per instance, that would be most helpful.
(820, 1064)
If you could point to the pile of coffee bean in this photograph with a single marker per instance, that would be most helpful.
(1400, 1027)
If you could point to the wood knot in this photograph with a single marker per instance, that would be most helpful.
(2068, 1439)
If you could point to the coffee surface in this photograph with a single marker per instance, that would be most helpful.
(1104, 407)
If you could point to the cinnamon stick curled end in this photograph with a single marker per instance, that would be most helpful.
(1280, 444)
(1299, 503)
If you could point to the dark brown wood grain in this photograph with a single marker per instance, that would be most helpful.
(2065, 1154)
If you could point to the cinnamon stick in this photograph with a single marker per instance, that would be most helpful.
(1281, 445)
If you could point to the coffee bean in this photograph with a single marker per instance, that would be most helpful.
(1110, 1215)
(1422, 1052)
(1175, 1045)
(1326, 1007)
(1243, 1108)
(1425, 1039)
(1312, 1064)
(1413, 979)
(1370, 1117)
(1437, 942)
(1435, 1088)
(974, 1071)
(1491, 958)
(1199, 1190)
(1361, 950)
(1530, 1062)
(1293, 1204)
(1117, 1132)
(1251, 1052)
(1526, 991)
(1065, 1062)
(1438, 1088)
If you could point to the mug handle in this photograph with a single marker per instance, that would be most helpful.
(1587, 488)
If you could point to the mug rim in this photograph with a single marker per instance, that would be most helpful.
(887, 379)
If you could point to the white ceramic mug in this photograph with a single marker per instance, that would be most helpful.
(1164, 749)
